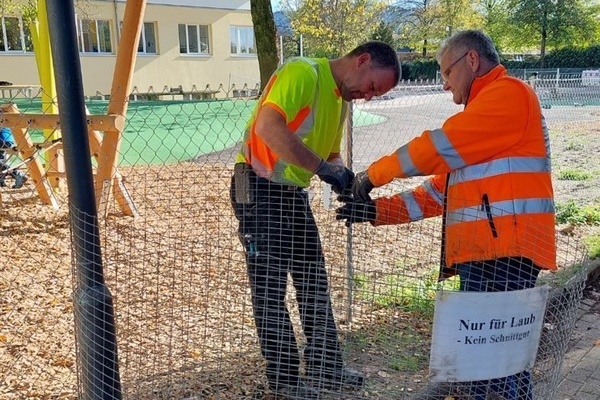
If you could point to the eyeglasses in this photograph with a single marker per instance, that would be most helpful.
(446, 72)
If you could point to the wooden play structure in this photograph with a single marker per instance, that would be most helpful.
(104, 131)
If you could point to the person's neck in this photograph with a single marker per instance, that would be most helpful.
(337, 66)
(485, 68)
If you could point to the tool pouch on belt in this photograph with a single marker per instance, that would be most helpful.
(243, 177)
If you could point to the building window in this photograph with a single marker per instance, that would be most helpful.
(93, 36)
(242, 40)
(193, 39)
(147, 44)
(15, 35)
(148, 39)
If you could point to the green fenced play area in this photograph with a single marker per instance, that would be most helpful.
(166, 132)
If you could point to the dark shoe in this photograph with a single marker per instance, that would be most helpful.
(2, 183)
(347, 377)
(20, 180)
(295, 391)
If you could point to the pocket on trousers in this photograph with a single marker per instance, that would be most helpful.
(242, 185)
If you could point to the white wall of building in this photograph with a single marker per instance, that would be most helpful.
(168, 67)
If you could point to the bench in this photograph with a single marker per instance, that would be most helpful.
(194, 94)
(170, 92)
(28, 91)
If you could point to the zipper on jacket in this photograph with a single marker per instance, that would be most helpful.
(445, 271)
(488, 211)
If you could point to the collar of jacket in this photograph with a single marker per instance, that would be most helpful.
(482, 81)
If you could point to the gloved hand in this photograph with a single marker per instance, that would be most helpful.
(337, 176)
(361, 187)
(355, 211)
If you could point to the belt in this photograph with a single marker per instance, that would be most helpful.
(263, 181)
(278, 186)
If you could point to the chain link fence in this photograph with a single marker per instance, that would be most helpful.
(177, 273)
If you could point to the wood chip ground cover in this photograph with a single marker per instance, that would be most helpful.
(180, 291)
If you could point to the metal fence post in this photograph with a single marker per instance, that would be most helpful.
(93, 307)
(349, 263)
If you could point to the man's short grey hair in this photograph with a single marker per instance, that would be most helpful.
(472, 39)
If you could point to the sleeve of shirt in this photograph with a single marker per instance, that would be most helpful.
(494, 122)
(424, 201)
(291, 90)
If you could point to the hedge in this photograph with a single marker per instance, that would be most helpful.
(568, 57)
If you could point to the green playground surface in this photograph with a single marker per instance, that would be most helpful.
(166, 132)
(570, 102)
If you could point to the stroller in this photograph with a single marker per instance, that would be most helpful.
(7, 141)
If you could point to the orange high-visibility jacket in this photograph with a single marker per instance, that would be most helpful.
(491, 167)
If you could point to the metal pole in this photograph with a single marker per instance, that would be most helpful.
(94, 316)
(349, 258)
(281, 49)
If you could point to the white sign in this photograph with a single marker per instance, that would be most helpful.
(482, 335)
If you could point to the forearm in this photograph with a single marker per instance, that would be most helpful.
(425, 201)
(272, 129)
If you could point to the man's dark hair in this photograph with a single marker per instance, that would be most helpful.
(382, 56)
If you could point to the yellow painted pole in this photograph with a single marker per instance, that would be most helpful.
(46, 71)
(43, 55)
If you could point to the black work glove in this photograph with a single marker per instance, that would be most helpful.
(361, 187)
(355, 211)
(337, 176)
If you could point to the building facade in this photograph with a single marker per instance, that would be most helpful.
(183, 43)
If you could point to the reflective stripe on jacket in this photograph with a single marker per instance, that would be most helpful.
(494, 157)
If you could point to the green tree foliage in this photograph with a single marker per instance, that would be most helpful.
(457, 15)
(330, 28)
(7, 7)
(495, 22)
(416, 20)
(554, 23)
(425, 23)
(385, 33)
(266, 39)
(514, 25)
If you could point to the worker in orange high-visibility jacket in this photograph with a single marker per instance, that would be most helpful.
(491, 183)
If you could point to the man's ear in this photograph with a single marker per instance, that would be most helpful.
(473, 60)
(363, 59)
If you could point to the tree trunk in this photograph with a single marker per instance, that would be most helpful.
(544, 36)
(266, 39)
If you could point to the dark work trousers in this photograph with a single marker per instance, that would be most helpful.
(280, 236)
(500, 275)
(4, 166)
